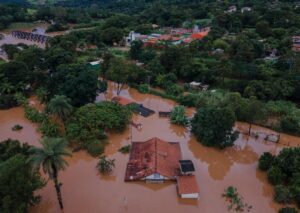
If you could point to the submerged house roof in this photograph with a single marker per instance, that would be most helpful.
(186, 166)
(143, 111)
(187, 185)
(154, 156)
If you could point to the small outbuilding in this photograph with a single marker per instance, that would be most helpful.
(187, 187)
(186, 167)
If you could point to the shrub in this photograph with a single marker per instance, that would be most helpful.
(288, 210)
(282, 194)
(125, 149)
(8, 101)
(33, 115)
(96, 148)
(50, 129)
(178, 116)
(105, 166)
(236, 201)
(163, 95)
(189, 100)
(174, 89)
(290, 124)
(143, 88)
(265, 161)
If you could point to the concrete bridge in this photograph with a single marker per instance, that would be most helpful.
(30, 36)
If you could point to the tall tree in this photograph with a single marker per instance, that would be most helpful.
(51, 158)
(60, 106)
(119, 71)
(213, 126)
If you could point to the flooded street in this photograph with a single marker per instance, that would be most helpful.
(84, 190)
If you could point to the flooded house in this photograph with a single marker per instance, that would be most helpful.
(296, 43)
(187, 186)
(154, 160)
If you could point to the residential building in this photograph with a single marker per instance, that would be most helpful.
(154, 160)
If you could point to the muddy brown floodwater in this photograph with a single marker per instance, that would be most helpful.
(84, 190)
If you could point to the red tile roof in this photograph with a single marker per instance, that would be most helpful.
(187, 185)
(121, 100)
(165, 37)
(199, 35)
(153, 156)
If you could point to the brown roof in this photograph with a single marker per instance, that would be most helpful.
(187, 185)
(121, 100)
(153, 156)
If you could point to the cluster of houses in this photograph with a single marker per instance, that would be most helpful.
(296, 43)
(168, 35)
(233, 9)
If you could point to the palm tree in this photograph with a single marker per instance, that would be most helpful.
(60, 106)
(50, 158)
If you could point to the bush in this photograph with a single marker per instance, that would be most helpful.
(288, 210)
(189, 100)
(143, 88)
(105, 166)
(163, 95)
(174, 89)
(50, 129)
(125, 149)
(33, 115)
(236, 201)
(265, 161)
(282, 194)
(290, 124)
(8, 101)
(178, 116)
(96, 148)
(275, 175)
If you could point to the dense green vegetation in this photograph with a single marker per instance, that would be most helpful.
(245, 82)
(17, 181)
(213, 127)
(283, 173)
(88, 126)
(178, 116)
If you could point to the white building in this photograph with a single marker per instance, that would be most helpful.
(246, 9)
